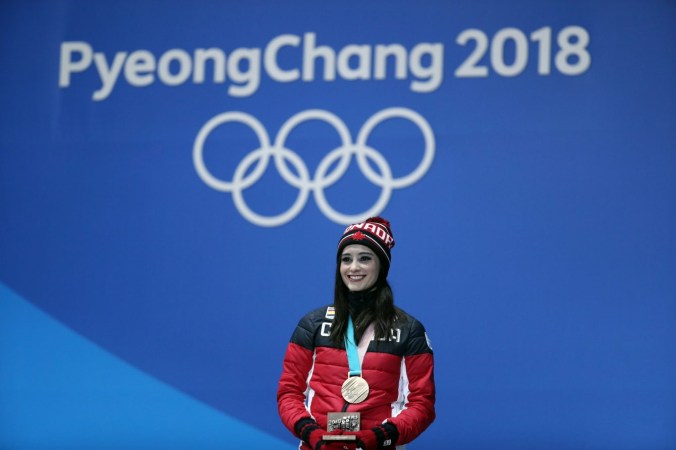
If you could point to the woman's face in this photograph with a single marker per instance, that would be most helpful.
(359, 267)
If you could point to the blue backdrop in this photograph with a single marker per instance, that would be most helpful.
(174, 177)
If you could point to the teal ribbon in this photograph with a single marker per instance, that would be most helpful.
(351, 349)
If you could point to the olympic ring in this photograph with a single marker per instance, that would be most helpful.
(300, 179)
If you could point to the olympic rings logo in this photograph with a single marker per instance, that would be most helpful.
(301, 180)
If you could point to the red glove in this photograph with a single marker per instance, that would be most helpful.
(381, 437)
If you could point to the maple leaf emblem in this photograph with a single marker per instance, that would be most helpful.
(358, 236)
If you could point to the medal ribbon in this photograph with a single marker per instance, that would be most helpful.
(351, 349)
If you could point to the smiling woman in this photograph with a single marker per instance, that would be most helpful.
(359, 267)
(358, 374)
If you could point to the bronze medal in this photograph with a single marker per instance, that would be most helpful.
(355, 390)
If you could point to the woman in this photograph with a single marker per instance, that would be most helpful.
(358, 373)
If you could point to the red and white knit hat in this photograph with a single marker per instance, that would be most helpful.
(375, 233)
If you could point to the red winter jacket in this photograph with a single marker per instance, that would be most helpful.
(399, 371)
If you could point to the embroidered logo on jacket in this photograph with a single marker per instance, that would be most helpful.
(330, 313)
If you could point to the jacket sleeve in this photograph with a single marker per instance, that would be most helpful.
(293, 388)
(419, 397)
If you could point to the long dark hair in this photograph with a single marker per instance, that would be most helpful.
(381, 312)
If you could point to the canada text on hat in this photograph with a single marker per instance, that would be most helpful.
(377, 229)
(374, 232)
